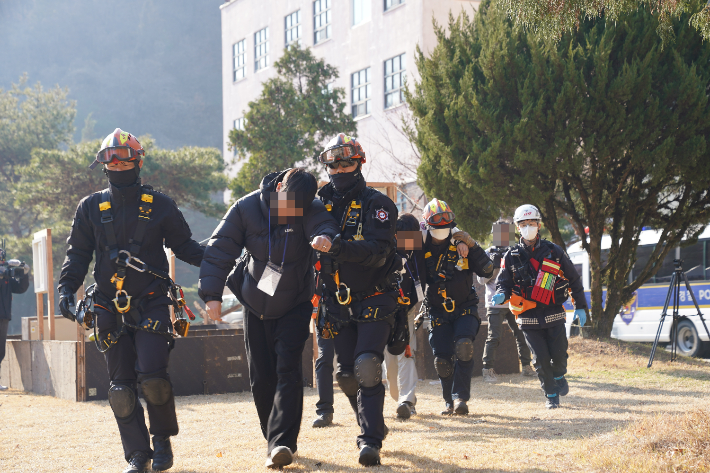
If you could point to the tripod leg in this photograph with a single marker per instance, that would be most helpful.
(697, 307)
(660, 325)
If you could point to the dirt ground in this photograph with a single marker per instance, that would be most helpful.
(508, 429)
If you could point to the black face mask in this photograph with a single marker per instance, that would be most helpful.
(344, 181)
(123, 178)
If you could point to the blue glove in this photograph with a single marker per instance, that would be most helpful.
(498, 299)
(580, 314)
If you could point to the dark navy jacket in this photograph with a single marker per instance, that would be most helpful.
(460, 286)
(245, 226)
(364, 263)
(87, 237)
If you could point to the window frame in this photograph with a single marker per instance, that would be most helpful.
(367, 86)
(392, 5)
(366, 10)
(258, 43)
(402, 72)
(294, 26)
(242, 56)
(324, 27)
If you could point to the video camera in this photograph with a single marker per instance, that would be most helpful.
(13, 268)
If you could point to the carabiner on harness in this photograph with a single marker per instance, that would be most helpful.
(127, 261)
(122, 297)
(343, 295)
(453, 304)
(447, 299)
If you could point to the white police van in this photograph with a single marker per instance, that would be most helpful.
(639, 318)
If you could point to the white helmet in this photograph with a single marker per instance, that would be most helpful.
(526, 212)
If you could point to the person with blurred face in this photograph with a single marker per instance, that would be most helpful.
(535, 278)
(125, 225)
(503, 237)
(277, 227)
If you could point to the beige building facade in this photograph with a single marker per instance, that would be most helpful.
(371, 42)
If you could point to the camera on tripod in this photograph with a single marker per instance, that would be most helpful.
(13, 268)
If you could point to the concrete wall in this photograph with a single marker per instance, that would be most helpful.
(47, 367)
(350, 49)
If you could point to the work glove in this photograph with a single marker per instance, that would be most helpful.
(498, 299)
(335, 246)
(580, 314)
(66, 304)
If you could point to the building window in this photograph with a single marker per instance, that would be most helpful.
(361, 11)
(361, 90)
(238, 125)
(321, 20)
(390, 4)
(261, 49)
(240, 59)
(395, 71)
(292, 25)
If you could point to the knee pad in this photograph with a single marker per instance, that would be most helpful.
(122, 399)
(156, 387)
(464, 349)
(368, 370)
(347, 383)
(444, 367)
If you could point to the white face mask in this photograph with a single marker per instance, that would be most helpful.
(529, 232)
(440, 233)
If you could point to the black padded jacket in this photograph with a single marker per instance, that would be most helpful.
(246, 227)
(88, 236)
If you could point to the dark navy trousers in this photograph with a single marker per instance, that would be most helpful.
(354, 339)
(324, 375)
(135, 353)
(442, 340)
(549, 353)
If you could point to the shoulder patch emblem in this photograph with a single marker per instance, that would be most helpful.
(382, 215)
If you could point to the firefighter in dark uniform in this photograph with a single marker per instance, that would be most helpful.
(536, 277)
(360, 277)
(125, 225)
(452, 303)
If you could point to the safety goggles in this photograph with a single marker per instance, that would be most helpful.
(346, 163)
(336, 154)
(441, 218)
(121, 153)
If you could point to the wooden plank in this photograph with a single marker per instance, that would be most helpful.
(50, 286)
(40, 316)
(19, 360)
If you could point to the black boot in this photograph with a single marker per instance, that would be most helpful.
(562, 386)
(163, 453)
(139, 463)
(369, 455)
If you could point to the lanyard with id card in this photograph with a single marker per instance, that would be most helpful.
(417, 283)
(271, 276)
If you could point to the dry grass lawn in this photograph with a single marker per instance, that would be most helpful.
(618, 416)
